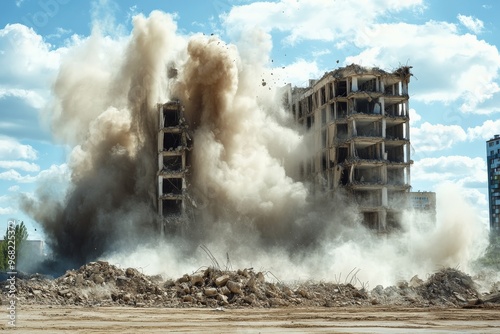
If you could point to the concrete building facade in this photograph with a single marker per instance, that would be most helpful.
(359, 122)
(173, 158)
(493, 166)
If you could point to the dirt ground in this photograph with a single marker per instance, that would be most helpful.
(63, 319)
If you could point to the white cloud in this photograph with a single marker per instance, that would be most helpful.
(414, 117)
(311, 19)
(27, 61)
(33, 98)
(319, 53)
(447, 66)
(12, 149)
(484, 131)
(14, 188)
(7, 211)
(18, 164)
(462, 170)
(435, 137)
(473, 24)
(12, 175)
(54, 172)
(298, 73)
(19, 3)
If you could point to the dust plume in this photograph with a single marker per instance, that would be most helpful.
(250, 211)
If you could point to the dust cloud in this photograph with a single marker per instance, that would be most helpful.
(250, 209)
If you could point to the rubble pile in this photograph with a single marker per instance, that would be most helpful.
(449, 287)
(102, 284)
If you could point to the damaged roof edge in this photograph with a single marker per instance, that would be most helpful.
(355, 69)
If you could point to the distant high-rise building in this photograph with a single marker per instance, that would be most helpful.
(493, 164)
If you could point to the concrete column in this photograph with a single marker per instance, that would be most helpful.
(382, 220)
(382, 105)
(384, 196)
(404, 86)
(354, 84)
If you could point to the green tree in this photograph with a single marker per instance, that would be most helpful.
(20, 233)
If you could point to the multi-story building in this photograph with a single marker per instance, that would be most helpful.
(359, 122)
(173, 148)
(423, 201)
(493, 165)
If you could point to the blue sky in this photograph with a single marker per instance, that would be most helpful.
(451, 44)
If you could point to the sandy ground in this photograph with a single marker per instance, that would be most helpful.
(52, 319)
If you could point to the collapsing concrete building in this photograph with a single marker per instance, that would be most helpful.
(359, 122)
(173, 162)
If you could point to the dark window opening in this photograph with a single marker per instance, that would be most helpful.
(370, 220)
(172, 207)
(366, 107)
(369, 130)
(395, 154)
(172, 186)
(341, 131)
(341, 109)
(394, 110)
(342, 154)
(368, 153)
(392, 89)
(309, 122)
(172, 163)
(344, 177)
(171, 141)
(368, 86)
(323, 95)
(324, 163)
(171, 118)
(341, 88)
(395, 132)
(371, 175)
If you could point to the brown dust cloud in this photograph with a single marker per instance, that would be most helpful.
(250, 209)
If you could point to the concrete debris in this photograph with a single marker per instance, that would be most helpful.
(99, 283)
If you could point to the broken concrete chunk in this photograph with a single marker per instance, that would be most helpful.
(225, 290)
(222, 299)
(131, 272)
(183, 279)
(210, 292)
(122, 280)
(415, 282)
(221, 280)
(234, 287)
(188, 299)
(98, 279)
(61, 292)
(196, 278)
